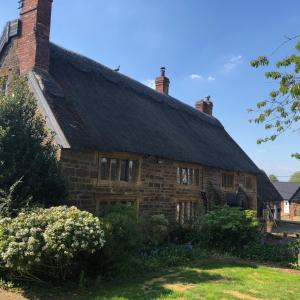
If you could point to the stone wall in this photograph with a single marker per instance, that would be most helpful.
(156, 190)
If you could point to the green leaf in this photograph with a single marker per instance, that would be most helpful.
(260, 61)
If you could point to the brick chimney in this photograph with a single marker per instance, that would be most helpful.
(205, 106)
(162, 82)
(33, 43)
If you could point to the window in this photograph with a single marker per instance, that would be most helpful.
(184, 176)
(104, 169)
(112, 169)
(132, 170)
(227, 180)
(124, 170)
(188, 176)
(186, 212)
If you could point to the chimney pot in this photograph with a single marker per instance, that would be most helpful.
(162, 82)
(205, 106)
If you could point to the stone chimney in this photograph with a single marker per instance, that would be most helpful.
(33, 43)
(162, 82)
(205, 106)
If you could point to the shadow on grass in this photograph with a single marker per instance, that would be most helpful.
(221, 263)
(156, 286)
(163, 284)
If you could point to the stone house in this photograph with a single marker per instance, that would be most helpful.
(120, 140)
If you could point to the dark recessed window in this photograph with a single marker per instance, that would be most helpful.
(124, 170)
(197, 176)
(132, 170)
(178, 175)
(186, 212)
(188, 176)
(114, 170)
(227, 180)
(104, 169)
(184, 176)
(118, 169)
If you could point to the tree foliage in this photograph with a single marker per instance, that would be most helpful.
(273, 178)
(281, 111)
(227, 229)
(28, 155)
(295, 177)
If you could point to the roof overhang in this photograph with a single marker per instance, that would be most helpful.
(51, 121)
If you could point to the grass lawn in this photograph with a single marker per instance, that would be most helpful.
(209, 279)
(220, 279)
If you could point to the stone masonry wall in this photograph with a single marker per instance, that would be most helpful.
(156, 190)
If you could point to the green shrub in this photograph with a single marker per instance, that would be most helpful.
(257, 251)
(285, 253)
(48, 243)
(123, 235)
(180, 235)
(227, 229)
(156, 230)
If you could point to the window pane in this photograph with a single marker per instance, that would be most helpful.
(178, 175)
(227, 181)
(188, 211)
(114, 169)
(132, 170)
(197, 177)
(124, 170)
(178, 212)
(184, 176)
(104, 169)
(182, 208)
(191, 176)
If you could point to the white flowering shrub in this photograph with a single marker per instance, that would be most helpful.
(48, 243)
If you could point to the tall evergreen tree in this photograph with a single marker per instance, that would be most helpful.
(28, 155)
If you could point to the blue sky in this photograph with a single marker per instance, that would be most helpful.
(206, 46)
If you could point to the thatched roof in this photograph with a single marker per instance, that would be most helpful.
(100, 109)
(266, 190)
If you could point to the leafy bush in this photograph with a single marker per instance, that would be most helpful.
(227, 229)
(280, 252)
(27, 151)
(48, 243)
(123, 235)
(10, 203)
(181, 234)
(156, 229)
